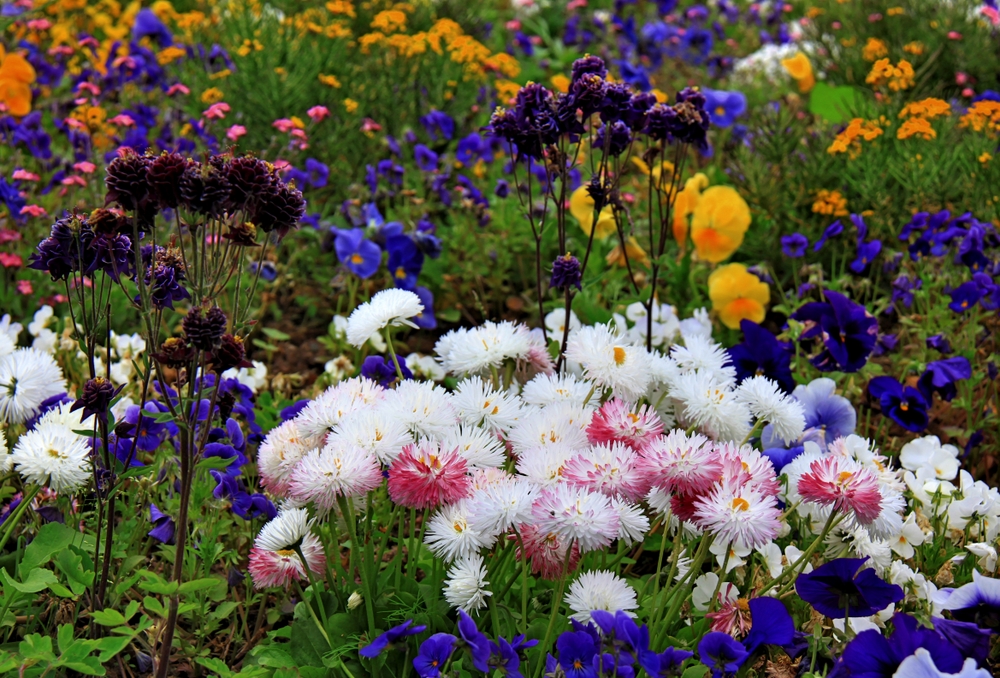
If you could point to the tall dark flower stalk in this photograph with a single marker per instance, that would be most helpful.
(219, 217)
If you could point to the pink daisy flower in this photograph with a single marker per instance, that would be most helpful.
(338, 470)
(616, 422)
(683, 506)
(578, 515)
(744, 465)
(611, 469)
(739, 514)
(318, 113)
(845, 485)
(682, 464)
(425, 476)
(235, 132)
(546, 551)
(732, 618)
(273, 558)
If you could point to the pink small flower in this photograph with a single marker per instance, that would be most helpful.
(122, 120)
(77, 282)
(836, 25)
(536, 40)
(426, 476)
(85, 167)
(733, 616)
(177, 89)
(513, 25)
(61, 50)
(274, 558)
(39, 25)
(845, 485)
(10, 260)
(369, 125)
(76, 124)
(88, 87)
(546, 551)
(954, 35)
(318, 113)
(961, 78)
(740, 515)
(24, 287)
(992, 14)
(24, 175)
(873, 18)
(281, 165)
(235, 132)
(283, 125)
(615, 421)
(611, 469)
(217, 111)
(576, 4)
(34, 210)
(89, 42)
(968, 92)
(7, 235)
(74, 180)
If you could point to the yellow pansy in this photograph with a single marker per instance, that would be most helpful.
(737, 295)
(684, 205)
(636, 255)
(581, 206)
(16, 76)
(801, 70)
(719, 222)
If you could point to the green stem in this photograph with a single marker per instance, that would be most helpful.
(14, 519)
(392, 354)
(830, 523)
(556, 604)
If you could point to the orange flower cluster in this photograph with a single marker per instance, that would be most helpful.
(916, 127)
(831, 203)
(874, 49)
(896, 78)
(928, 109)
(982, 115)
(849, 141)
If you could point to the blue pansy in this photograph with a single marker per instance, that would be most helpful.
(724, 107)
(721, 653)
(941, 375)
(427, 160)
(391, 636)
(359, 255)
(794, 245)
(760, 353)
(905, 405)
(846, 330)
(433, 655)
(844, 586)
(147, 24)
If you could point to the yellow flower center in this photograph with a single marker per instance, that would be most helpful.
(619, 355)
(741, 504)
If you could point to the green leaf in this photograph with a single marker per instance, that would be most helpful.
(64, 637)
(833, 104)
(697, 671)
(109, 617)
(216, 666)
(161, 418)
(78, 568)
(111, 646)
(38, 579)
(88, 666)
(275, 334)
(307, 645)
(154, 583)
(51, 539)
(154, 606)
(198, 585)
(37, 647)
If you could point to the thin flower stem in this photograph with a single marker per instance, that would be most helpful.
(392, 354)
(556, 604)
(14, 519)
(831, 522)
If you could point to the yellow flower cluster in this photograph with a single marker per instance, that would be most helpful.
(849, 141)
(916, 48)
(831, 203)
(874, 49)
(927, 109)
(896, 78)
(982, 115)
(389, 21)
(344, 7)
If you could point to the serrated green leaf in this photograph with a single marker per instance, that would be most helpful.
(110, 646)
(154, 606)
(51, 539)
(37, 580)
(215, 665)
(109, 617)
(36, 647)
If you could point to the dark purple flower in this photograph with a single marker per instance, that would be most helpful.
(866, 255)
(760, 353)
(318, 173)
(588, 65)
(566, 272)
(425, 320)
(902, 290)
(905, 405)
(939, 343)
(438, 124)
(383, 371)
(613, 138)
(96, 398)
(578, 652)
(831, 231)
(770, 624)
(794, 245)
(147, 24)
(721, 653)
(941, 375)
(847, 331)
(163, 525)
(872, 655)
(427, 160)
(433, 655)
(502, 189)
(478, 643)
(391, 636)
(844, 587)
(965, 297)
(405, 261)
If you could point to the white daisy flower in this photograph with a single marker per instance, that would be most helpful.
(632, 522)
(7, 345)
(338, 470)
(478, 403)
(10, 329)
(481, 448)
(767, 403)
(499, 506)
(562, 425)
(53, 456)
(374, 430)
(701, 354)
(388, 308)
(548, 389)
(465, 588)
(711, 406)
(278, 454)
(600, 590)
(27, 378)
(475, 350)
(424, 367)
(578, 515)
(322, 415)
(5, 459)
(610, 361)
(450, 536)
(423, 407)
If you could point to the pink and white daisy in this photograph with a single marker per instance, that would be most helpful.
(338, 470)
(740, 514)
(611, 469)
(546, 552)
(680, 463)
(616, 421)
(274, 560)
(277, 456)
(745, 465)
(427, 475)
(845, 485)
(576, 514)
